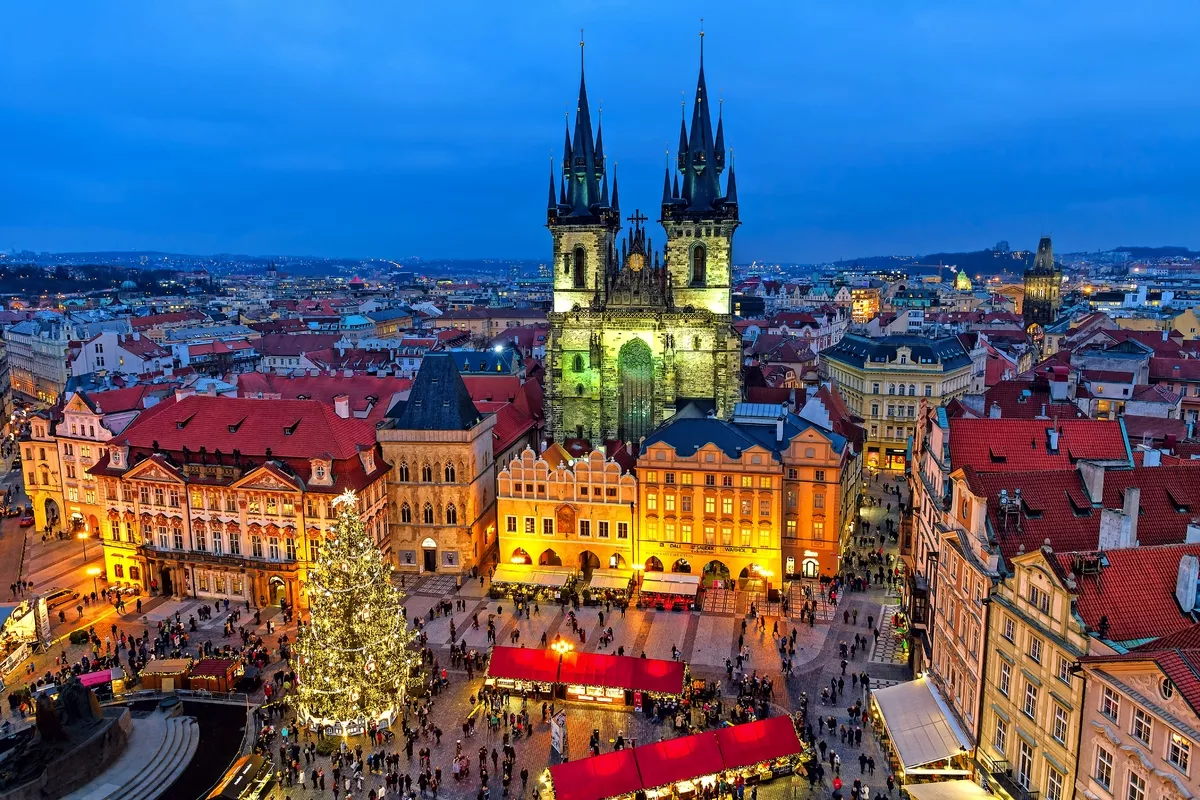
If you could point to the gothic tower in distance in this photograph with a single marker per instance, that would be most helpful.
(635, 335)
(1043, 284)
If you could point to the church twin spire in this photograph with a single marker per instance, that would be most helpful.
(583, 189)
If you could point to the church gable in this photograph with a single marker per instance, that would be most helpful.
(152, 469)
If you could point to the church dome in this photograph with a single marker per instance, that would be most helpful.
(128, 285)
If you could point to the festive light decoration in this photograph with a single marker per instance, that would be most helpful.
(354, 658)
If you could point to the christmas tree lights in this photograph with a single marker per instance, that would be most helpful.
(355, 657)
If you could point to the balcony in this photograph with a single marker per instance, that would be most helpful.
(1001, 771)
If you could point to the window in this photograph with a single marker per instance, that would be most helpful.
(764, 537)
(216, 537)
(256, 549)
(115, 528)
(89, 496)
(452, 515)
(791, 529)
(747, 481)
(622, 530)
(230, 504)
(450, 473)
(726, 535)
(1010, 629)
(1059, 730)
(1005, 683)
(668, 477)
(727, 505)
(710, 534)
(406, 516)
(426, 473)
(547, 526)
(585, 527)
(158, 496)
(699, 265)
(163, 543)
(578, 363)
(874, 388)
(197, 499)
(1035, 649)
(1024, 763)
(1110, 704)
(819, 475)
(118, 571)
(403, 472)
(685, 532)
(818, 530)
(1000, 737)
(177, 537)
(1179, 752)
(669, 532)
(669, 501)
(1142, 726)
(651, 476)
(235, 543)
(710, 505)
(745, 537)
(201, 540)
(602, 529)
(1054, 784)
(580, 264)
(1064, 670)
(709, 480)
(792, 498)
(273, 548)
(427, 514)
(1031, 699)
(727, 481)
(1039, 599)
(1137, 787)
(651, 501)
(764, 507)
(1104, 768)
(272, 506)
(254, 506)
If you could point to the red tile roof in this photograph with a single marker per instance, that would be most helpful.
(1175, 369)
(1107, 376)
(1020, 445)
(295, 344)
(1182, 666)
(176, 318)
(299, 429)
(366, 392)
(126, 399)
(1155, 429)
(1056, 507)
(1026, 398)
(143, 347)
(1134, 592)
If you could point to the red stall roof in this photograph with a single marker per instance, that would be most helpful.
(625, 672)
(524, 664)
(744, 745)
(213, 667)
(596, 778)
(678, 759)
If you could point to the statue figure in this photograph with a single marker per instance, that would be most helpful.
(75, 703)
(46, 718)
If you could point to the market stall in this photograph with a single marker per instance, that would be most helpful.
(948, 790)
(613, 774)
(166, 674)
(621, 680)
(523, 669)
(681, 768)
(669, 592)
(608, 585)
(919, 733)
(105, 682)
(530, 582)
(216, 674)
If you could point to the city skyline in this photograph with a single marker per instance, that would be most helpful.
(314, 133)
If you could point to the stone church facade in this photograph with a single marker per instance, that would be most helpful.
(635, 334)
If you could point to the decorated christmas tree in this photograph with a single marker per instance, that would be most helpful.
(355, 656)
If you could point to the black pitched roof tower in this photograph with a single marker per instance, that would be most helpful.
(438, 401)
(1043, 287)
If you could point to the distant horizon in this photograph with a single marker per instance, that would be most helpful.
(225, 127)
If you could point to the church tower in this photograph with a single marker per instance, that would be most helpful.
(1043, 286)
(635, 337)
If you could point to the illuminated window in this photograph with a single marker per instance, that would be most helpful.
(710, 505)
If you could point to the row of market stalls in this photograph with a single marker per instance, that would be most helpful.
(586, 677)
(755, 752)
(218, 675)
(546, 582)
(669, 591)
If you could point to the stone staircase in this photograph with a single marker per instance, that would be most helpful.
(159, 749)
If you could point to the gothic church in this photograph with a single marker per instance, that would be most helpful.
(636, 335)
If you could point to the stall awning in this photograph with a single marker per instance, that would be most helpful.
(552, 577)
(947, 790)
(745, 745)
(610, 579)
(919, 724)
(167, 666)
(622, 672)
(660, 586)
(678, 759)
(596, 778)
(90, 679)
(214, 667)
(523, 664)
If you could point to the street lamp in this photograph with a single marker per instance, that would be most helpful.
(83, 537)
(94, 572)
(562, 647)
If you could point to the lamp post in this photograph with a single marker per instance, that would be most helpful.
(638, 570)
(95, 573)
(83, 537)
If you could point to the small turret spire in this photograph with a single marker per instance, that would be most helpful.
(667, 196)
(615, 202)
(731, 186)
(552, 203)
(600, 139)
(604, 192)
(675, 188)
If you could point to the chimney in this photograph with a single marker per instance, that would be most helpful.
(137, 336)
(994, 411)
(779, 429)
(1133, 498)
(1186, 582)
(1052, 440)
(182, 393)
(1164, 334)
(341, 405)
(1169, 442)
(1151, 457)
(1193, 533)
(1093, 480)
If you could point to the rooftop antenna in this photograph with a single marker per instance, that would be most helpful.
(702, 41)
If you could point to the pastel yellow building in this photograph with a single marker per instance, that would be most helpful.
(1032, 697)
(555, 511)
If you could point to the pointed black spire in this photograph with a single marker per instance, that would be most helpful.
(604, 192)
(675, 188)
(600, 141)
(562, 191)
(731, 188)
(585, 169)
(667, 196)
(566, 146)
(719, 145)
(552, 203)
(701, 156)
(616, 205)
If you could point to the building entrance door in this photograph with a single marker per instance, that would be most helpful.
(431, 560)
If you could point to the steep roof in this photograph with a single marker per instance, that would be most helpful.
(1175, 369)
(858, 350)
(175, 318)
(368, 394)
(1020, 445)
(289, 428)
(439, 399)
(1134, 593)
(295, 344)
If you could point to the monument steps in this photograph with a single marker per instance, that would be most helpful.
(182, 739)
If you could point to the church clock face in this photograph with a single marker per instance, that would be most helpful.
(636, 261)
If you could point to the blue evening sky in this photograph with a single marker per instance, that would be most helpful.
(394, 128)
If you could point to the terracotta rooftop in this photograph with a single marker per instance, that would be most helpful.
(1019, 445)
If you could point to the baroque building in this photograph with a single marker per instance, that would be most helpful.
(635, 336)
(1043, 285)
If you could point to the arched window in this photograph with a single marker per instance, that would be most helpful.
(426, 473)
(405, 513)
(695, 342)
(566, 263)
(451, 515)
(449, 472)
(579, 390)
(578, 363)
(912, 390)
(699, 265)
(580, 268)
(404, 472)
(428, 514)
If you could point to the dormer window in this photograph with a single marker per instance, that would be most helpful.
(320, 473)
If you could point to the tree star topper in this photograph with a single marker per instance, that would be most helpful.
(346, 497)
